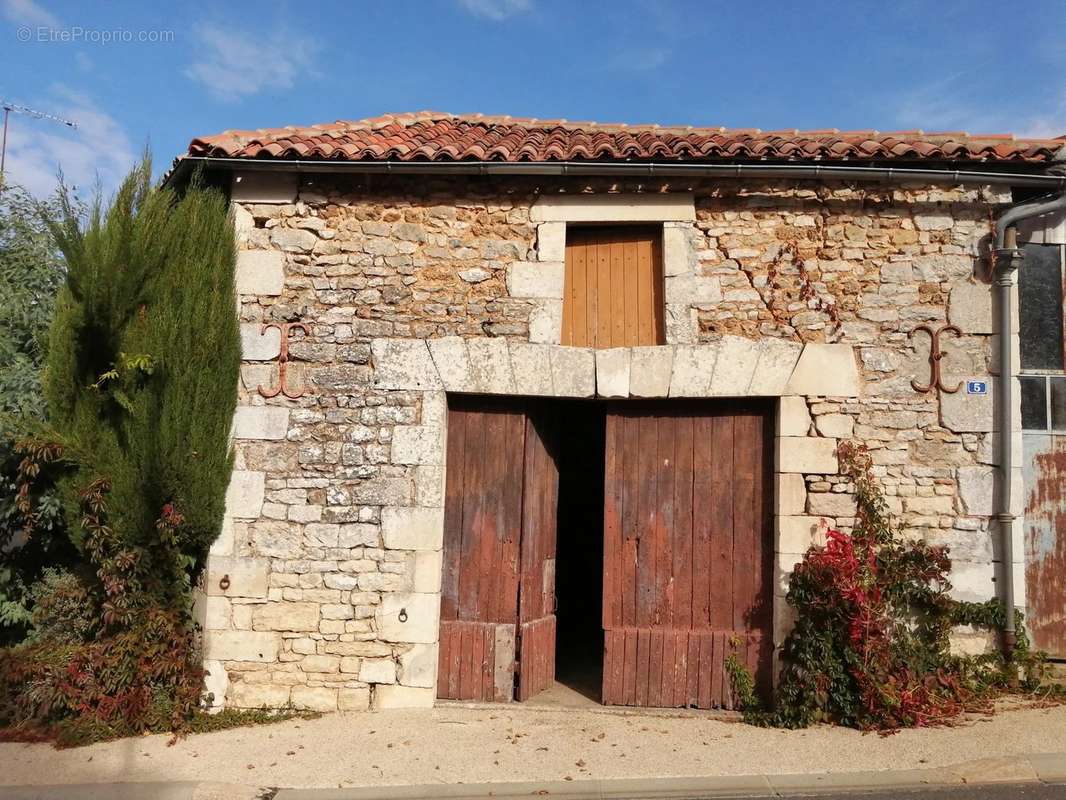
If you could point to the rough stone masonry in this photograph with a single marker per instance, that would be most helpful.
(323, 590)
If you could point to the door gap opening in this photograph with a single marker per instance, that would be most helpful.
(579, 554)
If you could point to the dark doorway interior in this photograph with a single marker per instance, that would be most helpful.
(579, 554)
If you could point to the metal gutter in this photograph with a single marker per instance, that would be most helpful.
(625, 169)
(1007, 259)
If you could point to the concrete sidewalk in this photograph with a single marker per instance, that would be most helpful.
(1044, 768)
(451, 749)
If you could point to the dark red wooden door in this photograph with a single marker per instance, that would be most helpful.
(687, 554)
(536, 608)
(497, 589)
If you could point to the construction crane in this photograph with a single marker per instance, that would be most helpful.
(29, 112)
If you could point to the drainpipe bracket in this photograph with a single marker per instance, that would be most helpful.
(1007, 260)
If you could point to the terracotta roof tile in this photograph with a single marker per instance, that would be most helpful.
(433, 136)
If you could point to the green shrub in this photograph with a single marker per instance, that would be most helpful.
(64, 610)
(141, 385)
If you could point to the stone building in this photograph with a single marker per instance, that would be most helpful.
(526, 397)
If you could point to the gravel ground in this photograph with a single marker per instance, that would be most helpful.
(455, 744)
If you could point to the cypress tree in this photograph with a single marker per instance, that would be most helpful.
(141, 376)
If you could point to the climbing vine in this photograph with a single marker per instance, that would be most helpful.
(870, 648)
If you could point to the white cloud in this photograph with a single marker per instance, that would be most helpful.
(496, 10)
(98, 149)
(234, 65)
(954, 104)
(27, 12)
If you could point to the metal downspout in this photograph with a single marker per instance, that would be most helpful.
(1007, 258)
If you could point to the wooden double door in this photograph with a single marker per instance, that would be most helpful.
(685, 546)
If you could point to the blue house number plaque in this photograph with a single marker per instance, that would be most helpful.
(976, 387)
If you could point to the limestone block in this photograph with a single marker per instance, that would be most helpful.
(531, 368)
(831, 504)
(434, 409)
(968, 413)
(826, 369)
(629, 207)
(260, 272)
(396, 696)
(315, 663)
(973, 581)
(453, 366)
(429, 486)
(260, 422)
(314, 698)
(264, 187)
(257, 344)
(243, 222)
(412, 528)
(573, 371)
(403, 364)
(535, 279)
(651, 371)
(418, 444)
(970, 307)
(490, 365)
(790, 497)
(807, 454)
(785, 618)
(216, 683)
(551, 241)
(293, 240)
(682, 323)
(836, 426)
(223, 544)
(377, 670)
(422, 611)
(275, 538)
(793, 416)
(257, 695)
(688, 289)
(678, 255)
(612, 372)
(285, 616)
(546, 321)
(353, 699)
(797, 534)
(244, 496)
(246, 577)
(734, 366)
(211, 612)
(241, 646)
(384, 491)
(965, 641)
(693, 370)
(418, 666)
(977, 490)
(777, 361)
(426, 570)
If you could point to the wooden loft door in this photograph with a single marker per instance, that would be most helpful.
(613, 291)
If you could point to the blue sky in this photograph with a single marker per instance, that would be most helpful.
(888, 65)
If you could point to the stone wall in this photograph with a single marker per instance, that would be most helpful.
(323, 590)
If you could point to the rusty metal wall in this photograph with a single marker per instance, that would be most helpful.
(1045, 540)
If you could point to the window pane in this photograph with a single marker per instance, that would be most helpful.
(1040, 307)
(1034, 404)
(1058, 404)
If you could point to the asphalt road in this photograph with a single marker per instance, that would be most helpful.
(1007, 791)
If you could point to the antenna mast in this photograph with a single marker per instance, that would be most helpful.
(29, 112)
